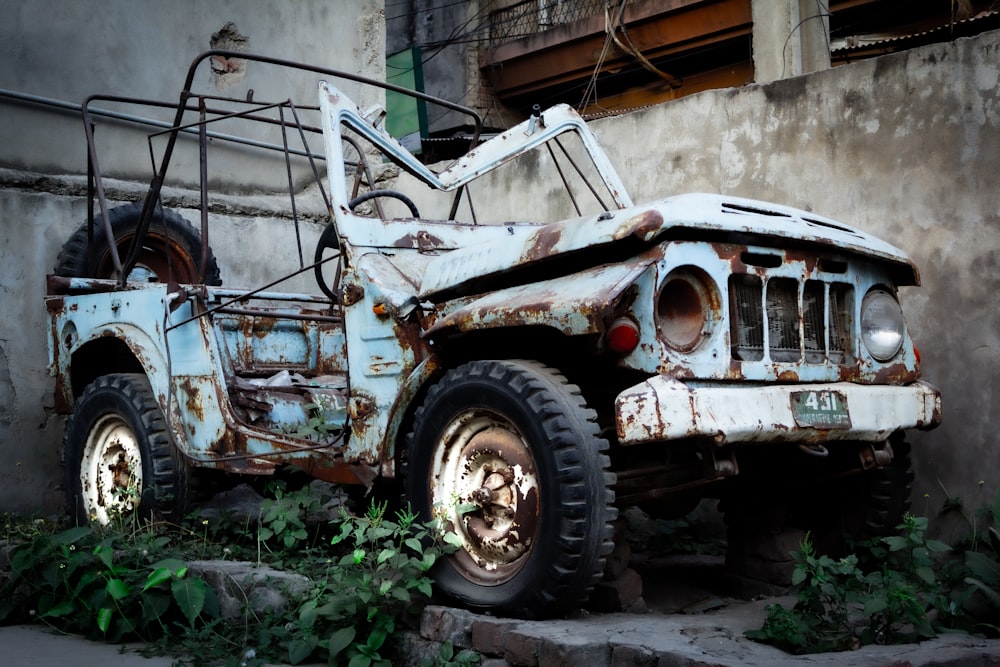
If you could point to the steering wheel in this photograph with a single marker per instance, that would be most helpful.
(327, 240)
(392, 194)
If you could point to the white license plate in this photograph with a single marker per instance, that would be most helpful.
(821, 409)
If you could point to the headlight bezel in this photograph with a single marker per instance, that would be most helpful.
(686, 308)
(882, 327)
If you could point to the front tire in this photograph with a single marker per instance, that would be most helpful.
(118, 456)
(507, 456)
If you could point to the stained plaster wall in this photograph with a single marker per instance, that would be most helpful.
(68, 50)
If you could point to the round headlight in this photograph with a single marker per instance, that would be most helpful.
(881, 324)
(684, 308)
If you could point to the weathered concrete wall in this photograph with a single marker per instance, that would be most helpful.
(68, 50)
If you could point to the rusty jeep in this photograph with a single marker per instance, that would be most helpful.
(520, 380)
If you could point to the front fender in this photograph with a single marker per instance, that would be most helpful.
(576, 304)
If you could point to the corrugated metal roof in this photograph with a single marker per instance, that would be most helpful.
(859, 43)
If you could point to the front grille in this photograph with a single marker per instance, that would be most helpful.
(787, 321)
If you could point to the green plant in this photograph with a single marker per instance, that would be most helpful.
(976, 606)
(355, 609)
(320, 426)
(126, 580)
(103, 584)
(842, 605)
(448, 657)
(283, 518)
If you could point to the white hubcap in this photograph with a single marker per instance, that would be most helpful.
(111, 469)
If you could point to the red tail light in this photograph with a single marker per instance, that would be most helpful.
(623, 335)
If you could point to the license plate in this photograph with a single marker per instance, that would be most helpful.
(820, 409)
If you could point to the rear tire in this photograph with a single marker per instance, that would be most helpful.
(171, 250)
(515, 444)
(118, 456)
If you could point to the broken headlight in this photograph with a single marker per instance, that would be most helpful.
(686, 308)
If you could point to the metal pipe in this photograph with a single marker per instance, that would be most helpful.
(142, 120)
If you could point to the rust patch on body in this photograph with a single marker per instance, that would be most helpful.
(545, 240)
(193, 402)
(643, 226)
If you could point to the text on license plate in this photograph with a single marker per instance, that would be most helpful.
(820, 409)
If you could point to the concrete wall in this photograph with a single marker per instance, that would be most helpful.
(68, 50)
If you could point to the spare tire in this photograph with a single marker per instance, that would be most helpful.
(171, 250)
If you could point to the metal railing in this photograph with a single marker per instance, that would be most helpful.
(529, 17)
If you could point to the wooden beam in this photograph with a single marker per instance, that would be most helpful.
(570, 52)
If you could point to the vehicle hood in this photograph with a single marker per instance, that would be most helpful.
(706, 213)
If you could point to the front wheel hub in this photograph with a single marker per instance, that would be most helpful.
(486, 488)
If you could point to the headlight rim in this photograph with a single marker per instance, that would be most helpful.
(695, 328)
(872, 347)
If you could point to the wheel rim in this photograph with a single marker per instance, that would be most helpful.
(484, 488)
(111, 469)
(158, 258)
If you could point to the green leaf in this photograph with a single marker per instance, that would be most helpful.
(465, 508)
(172, 564)
(992, 595)
(157, 577)
(384, 587)
(340, 640)
(895, 542)
(414, 544)
(926, 574)
(104, 553)
(375, 639)
(983, 567)
(359, 555)
(300, 649)
(875, 605)
(937, 545)
(308, 613)
(155, 604)
(453, 539)
(85, 580)
(385, 555)
(359, 660)
(71, 535)
(190, 597)
(104, 619)
(117, 589)
(61, 609)
(447, 651)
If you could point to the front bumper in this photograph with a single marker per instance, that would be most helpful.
(663, 409)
